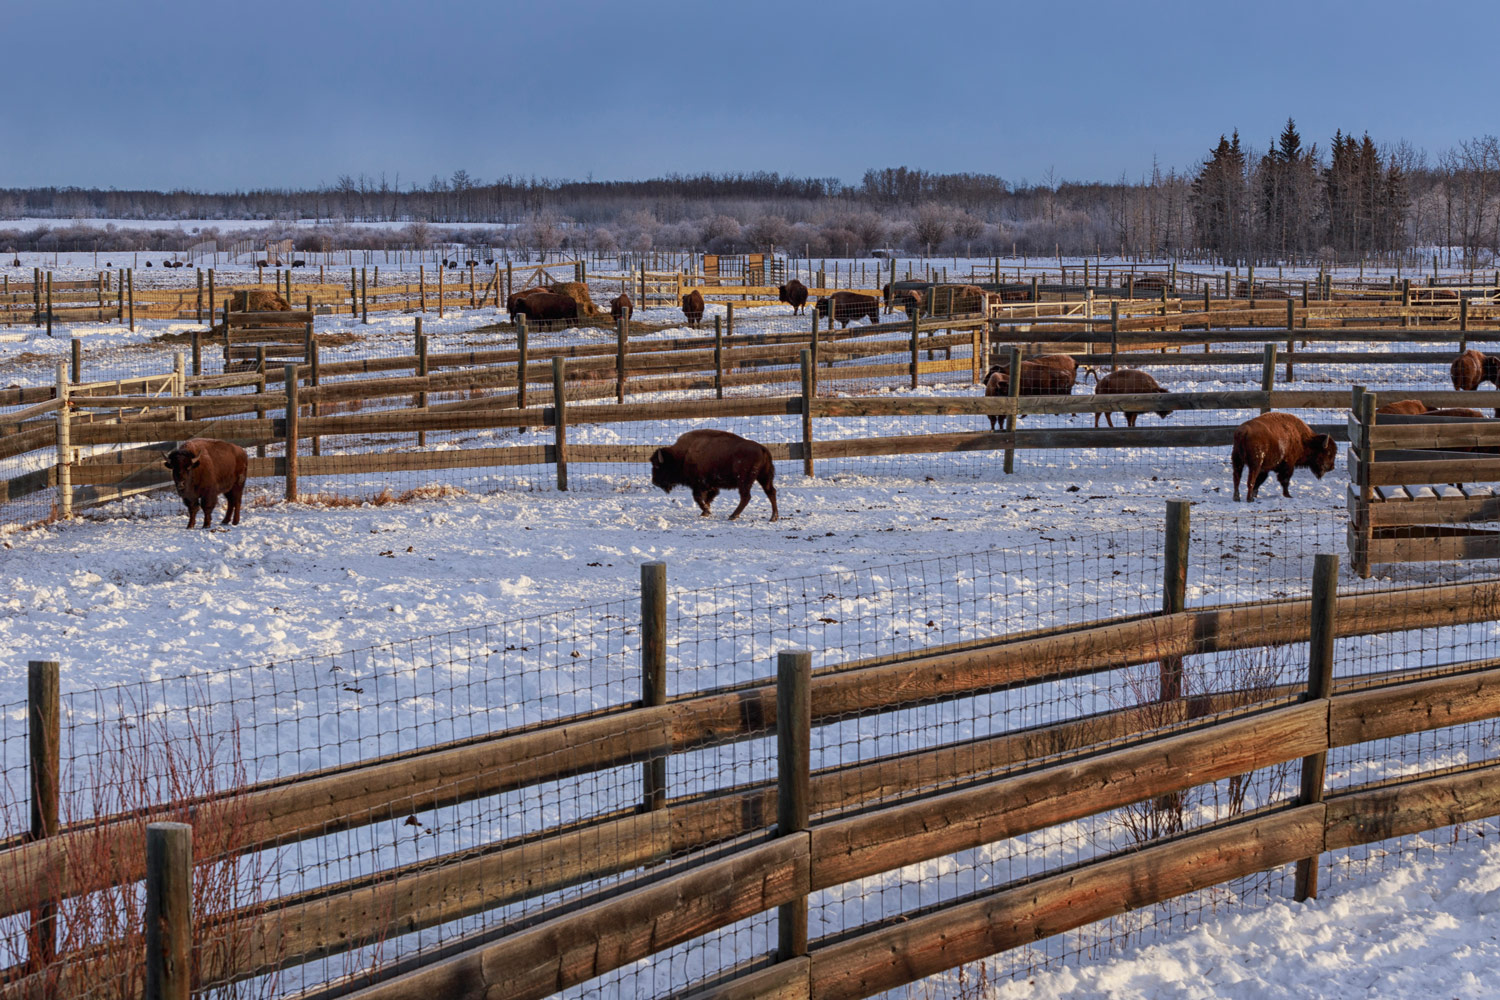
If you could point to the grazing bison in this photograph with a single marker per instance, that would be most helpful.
(1279, 443)
(707, 461)
(1408, 407)
(1471, 369)
(692, 307)
(1127, 380)
(846, 307)
(299, 263)
(621, 305)
(1037, 379)
(539, 306)
(204, 469)
(794, 294)
(909, 300)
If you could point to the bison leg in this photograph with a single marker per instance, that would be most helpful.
(1239, 467)
(744, 500)
(209, 501)
(770, 490)
(704, 498)
(1284, 477)
(192, 513)
(232, 504)
(1260, 476)
(1131, 418)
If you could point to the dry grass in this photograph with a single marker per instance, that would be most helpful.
(384, 498)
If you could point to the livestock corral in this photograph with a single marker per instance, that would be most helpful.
(462, 704)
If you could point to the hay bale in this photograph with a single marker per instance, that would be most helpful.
(257, 300)
(578, 292)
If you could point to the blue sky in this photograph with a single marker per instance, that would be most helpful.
(220, 96)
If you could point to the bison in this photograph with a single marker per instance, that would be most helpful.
(1407, 407)
(794, 294)
(1127, 380)
(204, 469)
(692, 307)
(515, 298)
(578, 291)
(540, 306)
(951, 300)
(1279, 443)
(1471, 369)
(846, 307)
(1037, 379)
(1456, 411)
(299, 263)
(620, 306)
(706, 461)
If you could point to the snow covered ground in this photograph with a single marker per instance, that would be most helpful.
(881, 554)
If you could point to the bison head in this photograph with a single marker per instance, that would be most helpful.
(664, 470)
(180, 460)
(1491, 370)
(1323, 453)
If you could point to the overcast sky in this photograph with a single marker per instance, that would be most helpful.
(217, 96)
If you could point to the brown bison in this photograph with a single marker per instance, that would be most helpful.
(1260, 291)
(547, 306)
(1456, 411)
(794, 294)
(846, 307)
(203, 469)
(578, 292)
(1471, 369)
(1127, 380)
(515, 298)
(692, 307)
(1279, 443)
(953, 300)
(706, 461)
(1408, 407)
(1037, 379)
(909, 300)
(620, 306)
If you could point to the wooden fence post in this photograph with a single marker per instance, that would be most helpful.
(440, 271)
(64, 446)
(1114, 333)
(210, 296)
(169, 911)
(422, 288)
(198, 312)
(522, 360)
(916, 317)
(49, 303)
(290, 373)
(197, 349)
(314, 379)
(43, 726)
(260, 389)
(130, 293)
(1319, 686)
(807, 405)
(120, 297)
(793, 781)
(1405, 301)
(422, 372)
(1363, 405)
(622, 336)
(1268, 375)
(364, 295)
(36, 296)
(560, 418)
(719, 354)
(1463, 325)
(77, 349)
(1291, 345)
(1013, 385)
(974, 355)
(654, 672)
(1175, 550)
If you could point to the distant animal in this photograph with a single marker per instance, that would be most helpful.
(692, 307)
(299, 263)
(452, 265)
(148, 263)
(204, 469)
(1471, 369)
(1260, 291)
(846, 307)
(108, 263)
(489, 262)
(794, 294)
(547, 306)
(951, 300)
(620, 306)
(1127, 380)
(1037, 379)
(1279, 443)
(1153, 284)
(707, 461)
(17, 263)
(262, 263)
(1408, 407)
(909, 300)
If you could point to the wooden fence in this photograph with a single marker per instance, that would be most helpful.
(703, 862)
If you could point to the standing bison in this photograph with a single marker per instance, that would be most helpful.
(846, 307)
(794, 294)
(1471, 369)
(1279, 443)
(545, 306)
(621, 306)
(707, 461)
(1038, 378)
(692, 307)
(204, 469)
(1124, 381)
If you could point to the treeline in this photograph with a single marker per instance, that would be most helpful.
(1291, 202)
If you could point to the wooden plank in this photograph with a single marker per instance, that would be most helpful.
(1412, 545)
(1460, 468)
(905, 834)
(415, 461)
(1440, 433)
(1407, 511)
(27, 483)
(788, 980)
(1413, 806)
(136, 432)
(562, 952)
(1414, 707)
(905, 952)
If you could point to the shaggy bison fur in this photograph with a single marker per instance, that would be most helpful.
(1038, 378)
(1279, 443)
(620, 306)
(794, 294)
(707, 461)
(1127, 380)
(204, 469)
(515, 298)
(692, 307)
(1407, 407)
(578, 292)
(1471, 369)
(541, 306)
(846, 307)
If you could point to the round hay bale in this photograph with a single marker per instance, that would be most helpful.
(578, 292)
